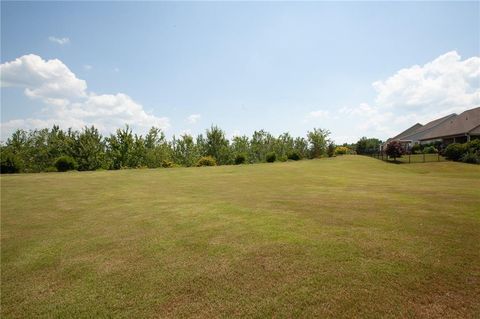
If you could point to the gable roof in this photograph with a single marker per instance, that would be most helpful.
(458, 125)
(407, 132)
(425, 129)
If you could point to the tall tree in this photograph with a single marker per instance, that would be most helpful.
(217, 145)
(318, 140)
(89, 149)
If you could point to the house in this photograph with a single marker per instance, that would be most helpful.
(459, 129)
(445, 130)
(414, 134)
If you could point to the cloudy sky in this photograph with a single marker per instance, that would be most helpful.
(357, 69)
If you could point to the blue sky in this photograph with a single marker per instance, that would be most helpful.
(354, 68)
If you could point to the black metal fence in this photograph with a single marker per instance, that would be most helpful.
(411, 158)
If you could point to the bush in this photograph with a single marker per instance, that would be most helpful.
(10, 163)
(206, 161)
(455, 151)
(167, 164)
(331, 150)
(473, 146)
(394, 149)
(240, 159)
(416, 149)
(294, 156)
(471, 157)
(342, 150)
(65, 163)
(430, 150)
(271, 157)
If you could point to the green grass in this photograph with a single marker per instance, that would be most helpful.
(344, 237)
(420, 158)
(416, 158)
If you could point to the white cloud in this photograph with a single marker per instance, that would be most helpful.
(60, 41)
(193, 118)
(445, 82)
(67, 100)
(418, 94)
(42, 79)
(87, 67)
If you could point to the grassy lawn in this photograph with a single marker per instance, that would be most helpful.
(344, 237)
(416, 158)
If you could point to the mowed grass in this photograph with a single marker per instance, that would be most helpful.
(344, 237)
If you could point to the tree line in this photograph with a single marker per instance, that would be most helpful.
(86, 149)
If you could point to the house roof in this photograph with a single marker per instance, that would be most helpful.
(459, 125)
(425, 129)
(407, 132)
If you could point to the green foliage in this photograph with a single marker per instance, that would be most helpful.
(367, 146)
(65, 163)
(216, 145)
(342, 150)
(455, 151)
(271, 157)
(10, 163)
(416, 149)
(207, 161)
(168, 164)
(430, 150)
(184, 151)
(394, 149)
(240, 159)
(294, 156)
(331, 150)
(89, 149)
(318, 140)
(471, 157)
(473, 145)
(38, 150)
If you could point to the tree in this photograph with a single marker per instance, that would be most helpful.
(10, 163)
(88, 149)
(216, 145)
(120, 148)
(300, 146)
(157, 149)
(284, 146)
(331, 149)
(184, 151)
(318, 140)
(394, 149)
(366, 146)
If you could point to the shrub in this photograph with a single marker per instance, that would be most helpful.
(167, 164)
(331, 150)
(294, 156)
(10, 163)
(206, 161)
(416, 149)
(473, 146)
(394, 149)
(65, 163)
(455, 151)
(471, 157)
(51, 169)
(271, 157)
(430, 150)
(240, 159)
(342, 150)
